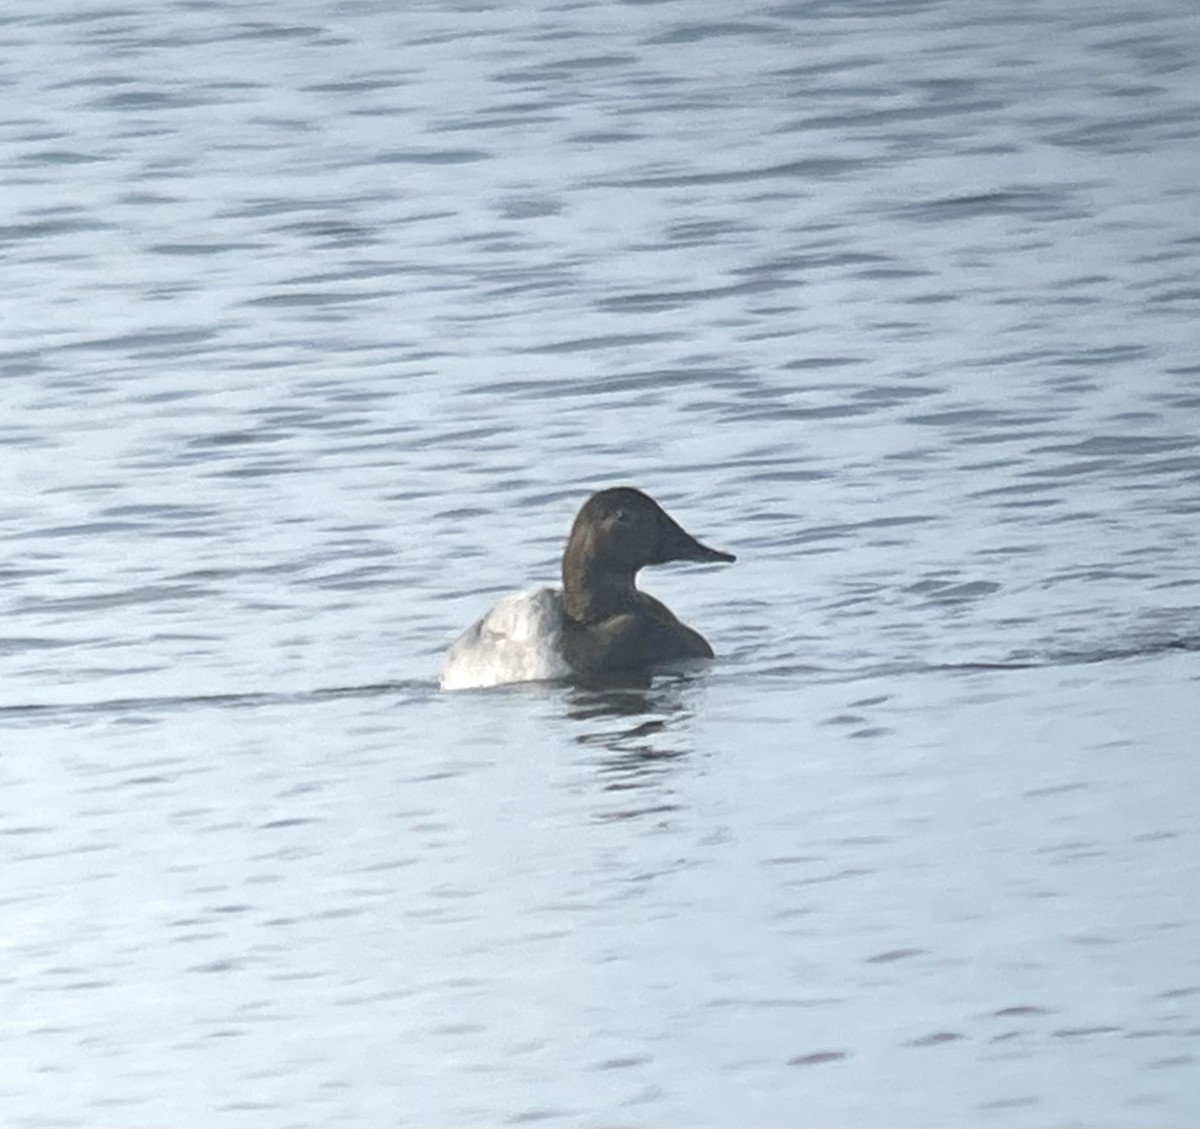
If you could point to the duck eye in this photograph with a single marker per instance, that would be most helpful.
(623, 517)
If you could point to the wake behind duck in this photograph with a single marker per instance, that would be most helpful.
(599, 623)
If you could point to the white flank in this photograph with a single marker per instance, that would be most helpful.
(517, 641)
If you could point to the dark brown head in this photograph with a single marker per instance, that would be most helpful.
(617, 532)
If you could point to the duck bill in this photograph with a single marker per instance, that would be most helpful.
(678, 544)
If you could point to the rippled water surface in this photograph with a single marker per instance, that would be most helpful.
(320, 320)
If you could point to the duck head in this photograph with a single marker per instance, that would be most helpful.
(617, 532)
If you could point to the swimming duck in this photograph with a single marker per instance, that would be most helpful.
(598, 623)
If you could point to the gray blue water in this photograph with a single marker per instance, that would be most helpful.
(317, 324)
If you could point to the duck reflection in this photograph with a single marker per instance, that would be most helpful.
(639, 724)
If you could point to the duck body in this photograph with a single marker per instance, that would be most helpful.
(646, 633)
(519, 640)
(599, 622)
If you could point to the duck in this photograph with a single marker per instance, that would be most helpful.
(599, 622)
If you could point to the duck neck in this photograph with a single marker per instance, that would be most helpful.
(592, 593)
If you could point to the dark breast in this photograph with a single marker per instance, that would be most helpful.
(633, 640)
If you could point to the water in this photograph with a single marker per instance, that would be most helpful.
(318, 325)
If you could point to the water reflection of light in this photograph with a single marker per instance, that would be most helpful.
(640, 725)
